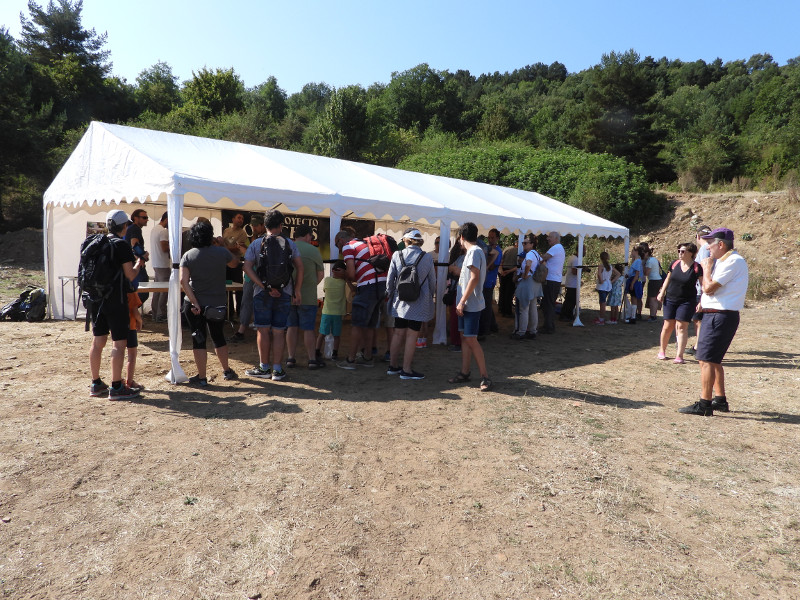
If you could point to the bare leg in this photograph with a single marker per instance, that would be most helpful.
(470, 347)
(118, 359)
(666, 333)
(712, 379)
(291, 341)
(398, 342)
(132, 352)
(278, 342)
(308, 340)
(222, 355)
(263, 340)
(201, 360)
(408, 353)
(96, 355)
(682, 336)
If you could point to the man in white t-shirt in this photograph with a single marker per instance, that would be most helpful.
(725, 278)
(159, 258)
(555, 266)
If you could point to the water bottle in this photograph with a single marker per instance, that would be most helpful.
(328, 349)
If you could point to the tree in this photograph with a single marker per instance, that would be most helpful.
(268, 100)
(343, 131)
(157, 89)
(69, 59)
(215, 93)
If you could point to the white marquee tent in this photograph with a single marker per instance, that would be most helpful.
(115, 165)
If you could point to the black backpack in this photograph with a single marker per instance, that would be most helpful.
(275, 262)
(34, 303)
(408, 283)
(98, 275)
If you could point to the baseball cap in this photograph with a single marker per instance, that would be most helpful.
(719, 234)
(118, 217)
(256, 220)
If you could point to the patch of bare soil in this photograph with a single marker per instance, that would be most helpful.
(574, 478)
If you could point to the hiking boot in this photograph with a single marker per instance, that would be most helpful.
(278, 375)
(257, 371)
(236, 338)
(702, 408)
(197, 380)
(394, 370)
(97, 390)
(412, 375)
(123, 392)
(720, 403)
(229, 375)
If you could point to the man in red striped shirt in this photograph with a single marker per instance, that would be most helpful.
(370, 291)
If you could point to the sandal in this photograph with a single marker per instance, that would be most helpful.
(486, 384)
(291, 362)
(316, 364)
(459, 378)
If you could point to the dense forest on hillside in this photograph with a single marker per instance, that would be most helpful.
(602, 138)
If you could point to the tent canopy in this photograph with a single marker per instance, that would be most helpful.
(114, 164)
(117, 164)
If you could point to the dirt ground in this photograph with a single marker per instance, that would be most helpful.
(574, 478)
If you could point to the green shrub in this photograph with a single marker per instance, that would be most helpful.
(602, 184)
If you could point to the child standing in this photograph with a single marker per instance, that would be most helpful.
(615, 297)
(333, 308)
(606, 277)
(134, 302)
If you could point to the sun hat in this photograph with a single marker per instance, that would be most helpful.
(413, 234)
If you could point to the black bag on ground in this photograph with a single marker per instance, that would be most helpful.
(98, 275)
(34, 304)
(275, 262)
(12, 312)
(408, 283)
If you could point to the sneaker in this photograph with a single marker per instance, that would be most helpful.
(197, 380)
(387, 357)
(703, 408)
(123, 392)
(652, 319)
(611, 322)
(517, 336)
(530, 335)
(347, 364)
(454, 348)
(229, 375)
(691, 350)
(599, 321)
(97, 390)
(720, 403)
(412, 375)
(257, 371)
(422, 343)
(135, 387)
(394, 370)
(630, 321)
(278, 375)
(236, 338)
(362, 362)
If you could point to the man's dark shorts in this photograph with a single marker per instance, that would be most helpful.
(114, 318)
(716, 336)
(365, 304)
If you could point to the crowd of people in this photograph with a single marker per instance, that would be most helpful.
(280, 278)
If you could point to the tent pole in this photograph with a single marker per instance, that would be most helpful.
(335, 224)
(174, 222)
(577, 321)
(48, 271)
(440, 310)
(625, 272)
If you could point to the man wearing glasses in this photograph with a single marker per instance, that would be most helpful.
(725, 278)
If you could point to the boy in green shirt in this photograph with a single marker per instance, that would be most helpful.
(334, 308)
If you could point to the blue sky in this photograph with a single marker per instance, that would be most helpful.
(348, 42)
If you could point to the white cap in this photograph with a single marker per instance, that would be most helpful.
(414, 234)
